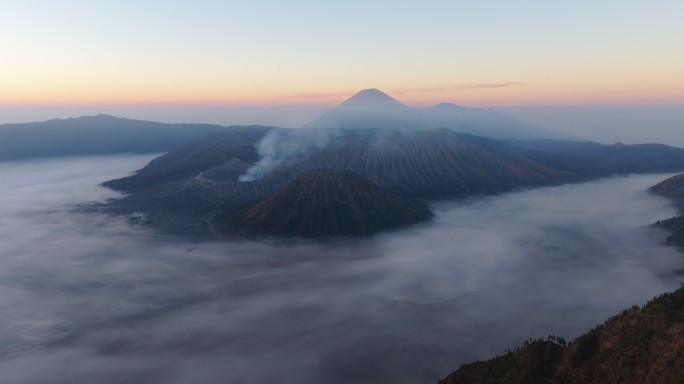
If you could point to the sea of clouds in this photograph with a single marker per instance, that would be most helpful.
(88, 298)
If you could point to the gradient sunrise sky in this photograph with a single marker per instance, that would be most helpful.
(299, 52)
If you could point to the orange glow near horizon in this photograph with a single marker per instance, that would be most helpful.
(515, 84)
(514, 95)
(458, 52)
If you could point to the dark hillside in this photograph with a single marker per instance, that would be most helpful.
(328, 203)
(96, 135)
(640, 345)
(615, 159)
(233, 151)
(673, 189)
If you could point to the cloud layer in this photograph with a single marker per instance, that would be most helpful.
(87, 298)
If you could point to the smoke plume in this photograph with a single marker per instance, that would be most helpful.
(283, 146)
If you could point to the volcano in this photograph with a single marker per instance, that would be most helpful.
(366, 97)
(374, 109)
(369, 108)
(328, 203)
(195, 185)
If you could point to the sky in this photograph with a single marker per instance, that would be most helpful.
(227, 61)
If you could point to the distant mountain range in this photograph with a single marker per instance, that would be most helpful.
(96, 135)
(368, 109)
(640, 158)
(373, 109)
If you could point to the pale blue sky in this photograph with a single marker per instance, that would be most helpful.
(198, 54)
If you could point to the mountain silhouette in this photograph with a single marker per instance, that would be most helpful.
(96, 135)
(673, 189)
(372, 95)
(372, 108)
(369, 109)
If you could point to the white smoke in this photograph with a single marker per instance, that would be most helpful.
(282, 146)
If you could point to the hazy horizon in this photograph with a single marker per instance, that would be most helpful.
(604, 124)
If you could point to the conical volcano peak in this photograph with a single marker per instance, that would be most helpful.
(368, 108)
(328, 203)
(372, 95)
(372, 99)
(373, 109)
(447, 106)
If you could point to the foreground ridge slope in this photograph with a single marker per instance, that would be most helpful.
(640, 345)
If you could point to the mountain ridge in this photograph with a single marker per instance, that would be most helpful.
(372, 108)
(673, 189)
(640, 345)
(97, 135)
(198, 181)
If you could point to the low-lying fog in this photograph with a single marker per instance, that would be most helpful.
(86, 298)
